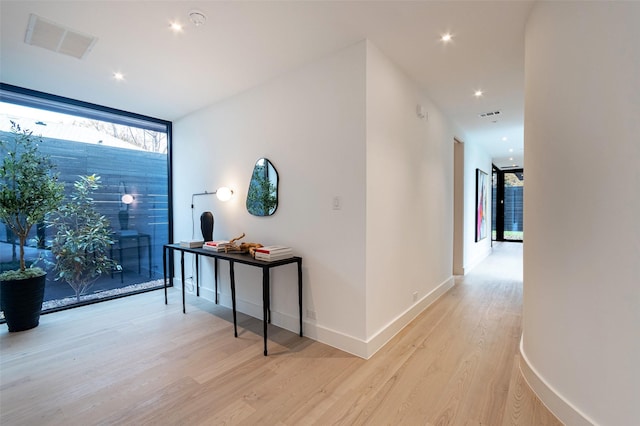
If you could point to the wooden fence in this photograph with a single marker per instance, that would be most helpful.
(144, 175)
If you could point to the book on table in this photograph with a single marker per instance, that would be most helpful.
(271, 253)
(191, 243)
(273, 258)
(271, 250)
(215, 245)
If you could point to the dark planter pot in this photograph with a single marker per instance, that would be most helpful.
(21, 301)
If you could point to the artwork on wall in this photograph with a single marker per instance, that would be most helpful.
(482, 195)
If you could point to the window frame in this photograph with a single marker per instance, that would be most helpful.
(46, 101)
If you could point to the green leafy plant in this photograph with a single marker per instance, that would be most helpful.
(29, 190)
(83, 237)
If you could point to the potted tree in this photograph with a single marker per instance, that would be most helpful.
(29, 190)
(82, 241)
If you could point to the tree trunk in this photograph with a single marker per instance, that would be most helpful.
(23, 239)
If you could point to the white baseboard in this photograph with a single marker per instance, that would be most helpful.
(366, 349)
(353, 345)
(208, 294)
(336, 339)
(566, 412)
(476, 261)
(387, 333)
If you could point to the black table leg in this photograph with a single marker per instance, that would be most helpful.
(265, 304)
(300, 292)
(233, 297)
(184, 304)
(267, 271)
(164, 271)
(215, 277)
(197, 276)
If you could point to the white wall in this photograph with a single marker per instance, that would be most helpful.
(311, 124)
(344, 126)
(475, 252)
(409, 245)
(581, 341)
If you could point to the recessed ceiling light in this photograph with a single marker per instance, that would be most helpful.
(510, 149)
(446, 38)
(510, 158)
(118, 76)
(504, 138)
(176, 27)
(478, 93)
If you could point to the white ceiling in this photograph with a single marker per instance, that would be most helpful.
(243, 44)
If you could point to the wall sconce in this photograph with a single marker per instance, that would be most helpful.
(224, 193)
(206, 219)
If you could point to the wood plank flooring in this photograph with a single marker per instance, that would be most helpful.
(136, 361)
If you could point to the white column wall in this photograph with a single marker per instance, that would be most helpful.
(409, 215)
(581, 341)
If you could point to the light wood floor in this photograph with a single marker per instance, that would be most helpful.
(137, 361)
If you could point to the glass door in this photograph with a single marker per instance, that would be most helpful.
(513, 205)
(496, 231)
(507, 212)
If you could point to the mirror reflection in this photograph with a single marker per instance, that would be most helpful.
(262, 197)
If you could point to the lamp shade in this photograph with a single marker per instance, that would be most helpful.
(127, 198)
(224, 194)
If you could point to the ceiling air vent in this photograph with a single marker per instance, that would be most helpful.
(51, 36)
(489, 114)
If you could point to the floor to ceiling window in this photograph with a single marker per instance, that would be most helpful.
(507, 212)
(130, 154)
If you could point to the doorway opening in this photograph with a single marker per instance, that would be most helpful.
(507, 199)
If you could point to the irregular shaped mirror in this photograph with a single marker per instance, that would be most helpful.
(262, 197)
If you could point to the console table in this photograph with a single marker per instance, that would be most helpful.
(233, 258)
